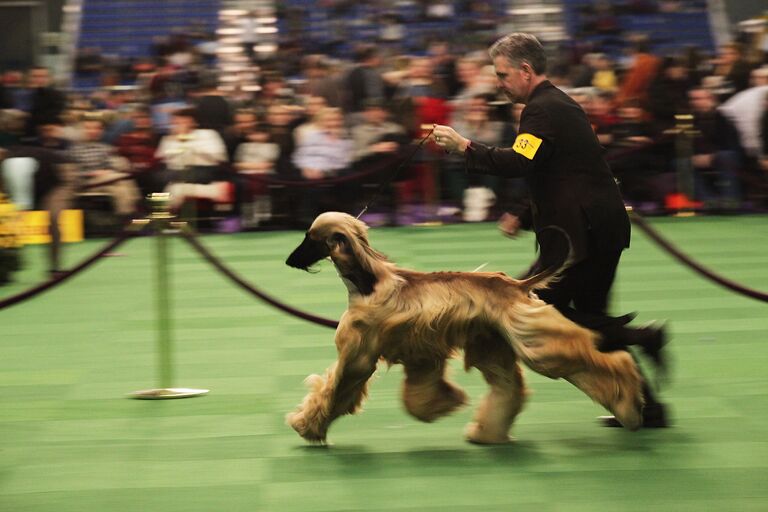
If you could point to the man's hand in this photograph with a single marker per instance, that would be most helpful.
(449, 139)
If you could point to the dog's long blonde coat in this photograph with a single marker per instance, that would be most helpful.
(421, 319)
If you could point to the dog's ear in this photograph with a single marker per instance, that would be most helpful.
(338, 244)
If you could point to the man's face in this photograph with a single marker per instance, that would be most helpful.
(512, 80)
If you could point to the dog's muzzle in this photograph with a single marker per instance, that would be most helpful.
(307, 254)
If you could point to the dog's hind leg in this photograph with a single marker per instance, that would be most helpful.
(553, 346)
(426, 394)
(498, 409)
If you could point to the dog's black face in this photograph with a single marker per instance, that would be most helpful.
(307, 253)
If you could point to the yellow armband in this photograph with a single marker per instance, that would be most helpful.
(527, 145)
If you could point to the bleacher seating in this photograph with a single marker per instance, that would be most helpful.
(336, 31)
(668, 32)
(126, 28)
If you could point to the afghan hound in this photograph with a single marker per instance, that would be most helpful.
(421, 319)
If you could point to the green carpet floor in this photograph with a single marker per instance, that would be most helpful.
(70, 440)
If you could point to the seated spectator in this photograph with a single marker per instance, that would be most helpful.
(194, 157)
(376, 135)
(326, 151)
(244, 122)
(313, 105)
(604, 77)
(601, 115)
(256, 156)
(632, 128)
(100, 168)
(717, 154)
(280, 119)
(188, 148)
(634, 164)
(138, 146)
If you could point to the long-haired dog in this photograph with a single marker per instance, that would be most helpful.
(421, 319)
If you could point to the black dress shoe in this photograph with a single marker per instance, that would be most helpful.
(654, 416)
(653, 340)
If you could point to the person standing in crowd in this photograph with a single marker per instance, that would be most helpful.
(364, 81)
(642, 69)
(571, 188)
(46, 102)
(732, 69)
(212, 109)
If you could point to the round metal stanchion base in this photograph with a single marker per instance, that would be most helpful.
(167, 393)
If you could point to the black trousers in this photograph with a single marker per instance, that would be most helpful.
(584, 287)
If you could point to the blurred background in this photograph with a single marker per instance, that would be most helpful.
(258, 114)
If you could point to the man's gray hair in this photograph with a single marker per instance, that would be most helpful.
(521, 47)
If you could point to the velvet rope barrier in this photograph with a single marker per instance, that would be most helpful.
(221, 267)
(63, 276)
(355, 176)
(271, 180)
(690, 263)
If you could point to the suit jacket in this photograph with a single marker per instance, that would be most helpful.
(570, 183)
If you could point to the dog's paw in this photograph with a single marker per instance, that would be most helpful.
(475, 433)
(297, 420)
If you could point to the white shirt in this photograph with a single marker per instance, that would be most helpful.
(199, 148)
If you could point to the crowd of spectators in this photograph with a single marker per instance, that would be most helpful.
(277, 154)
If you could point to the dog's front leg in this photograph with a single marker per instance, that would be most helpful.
(340, 391)
(427, 395)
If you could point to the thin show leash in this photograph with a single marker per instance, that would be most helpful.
(394, 174)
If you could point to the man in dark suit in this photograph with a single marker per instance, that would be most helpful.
(571, 188)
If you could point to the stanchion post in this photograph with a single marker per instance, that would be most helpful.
(163, 303)
(159, 219)
(684, 152)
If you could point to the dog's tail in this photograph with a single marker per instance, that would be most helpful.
(558, 257)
